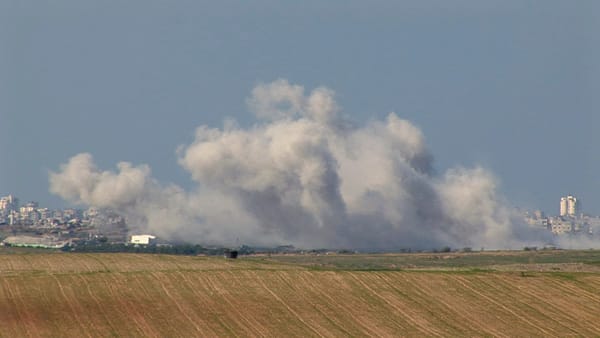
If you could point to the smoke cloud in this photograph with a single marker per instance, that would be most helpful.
(305, 175)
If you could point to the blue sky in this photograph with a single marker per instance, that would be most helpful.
(509, 85)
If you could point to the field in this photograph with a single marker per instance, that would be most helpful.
(473, 294)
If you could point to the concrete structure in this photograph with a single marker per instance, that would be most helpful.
(9, 203)
(142, 239)
(563, 206)
(45, 242)
(569, 206)
(561, 227)
(572, 206)
(538, 214)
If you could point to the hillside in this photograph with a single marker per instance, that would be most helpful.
(78, 295)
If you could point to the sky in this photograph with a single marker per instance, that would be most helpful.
(511, 86)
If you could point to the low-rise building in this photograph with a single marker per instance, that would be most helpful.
(561, 227)
(142, 239)
(46, 242)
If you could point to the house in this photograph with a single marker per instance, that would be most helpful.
(143, 239)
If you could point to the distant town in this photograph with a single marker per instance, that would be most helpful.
(31, 225)
(96, 230)
(569, 221)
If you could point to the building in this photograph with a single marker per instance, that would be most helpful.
(9, 203)
(29, 207)
(143, 239)
(45, 242)
(28, 213)
(572, 206)
(569, 206)
(563, 206)
(561, 227)
(538, 214)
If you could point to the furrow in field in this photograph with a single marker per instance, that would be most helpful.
(460, 312)
(518, 316)
(536, 300)
(389, 301)
(244, 319)
(422, 305)
(74, 306)
(420, 323)
(288, 307)
(315, 312)
(311, 295)
(122, 294)
(168, 290)
(233, 304)
(573, 288)
(164, 296)
(203, 305)
(99, 305)
(212, 308)
(11, 313)
(342, 302)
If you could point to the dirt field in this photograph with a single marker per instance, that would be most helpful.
(81, 295)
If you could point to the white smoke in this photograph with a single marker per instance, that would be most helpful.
(305, 176)
(81, 182)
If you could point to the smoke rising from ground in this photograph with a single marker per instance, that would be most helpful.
(305, 175)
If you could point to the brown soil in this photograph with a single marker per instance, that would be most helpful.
(81, 295)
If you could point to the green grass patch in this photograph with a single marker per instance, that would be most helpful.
(564, 275)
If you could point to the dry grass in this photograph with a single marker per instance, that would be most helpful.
(82, 295)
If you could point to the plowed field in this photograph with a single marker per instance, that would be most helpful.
(81, 295)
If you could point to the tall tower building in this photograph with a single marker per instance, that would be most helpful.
(572, 206)
(9, 203)
(563, 206)
(569, 206)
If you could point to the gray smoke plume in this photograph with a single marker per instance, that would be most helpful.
(305, 175)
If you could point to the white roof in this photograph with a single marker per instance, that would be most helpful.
(145, 236)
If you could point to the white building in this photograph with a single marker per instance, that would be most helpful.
(563, 206)
(8, 203)
(569, 206)
(572, 206)
(29, 207)
(142, 239)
